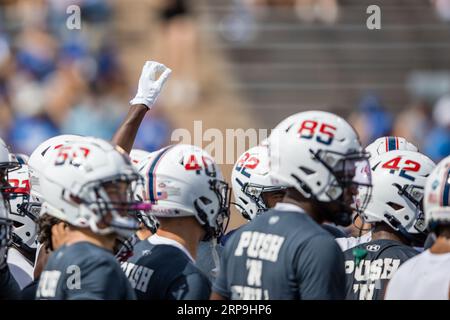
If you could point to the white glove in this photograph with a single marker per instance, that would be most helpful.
(149, 87)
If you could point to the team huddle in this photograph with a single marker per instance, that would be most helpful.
(84, 218)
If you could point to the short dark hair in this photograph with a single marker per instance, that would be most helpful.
(442, 230)
(45, 224)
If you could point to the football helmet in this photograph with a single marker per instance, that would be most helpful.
(90, 184)
(391, 143)
(184, 180)
(23, 212)
(250, 179)
(319, 154)
(398, 179)
(437, 195)
(137, 155)
(8, 163)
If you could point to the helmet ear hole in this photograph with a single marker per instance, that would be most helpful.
(205, 200)
(394, 205)
(307, 171)
(243, 200)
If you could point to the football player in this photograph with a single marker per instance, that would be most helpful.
(360, 230)
(396, 216)
(89, 185)
(24, 214)
(426, 276)
(9, 289)
(285, 253)
(190, 200)
(253, 194)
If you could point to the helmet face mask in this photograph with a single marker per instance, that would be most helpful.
(111, 199)
(5, 232)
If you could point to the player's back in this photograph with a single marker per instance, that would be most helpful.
(164, 272)
(371, 265)
(424, 277)
(281, 255)
(83, 271)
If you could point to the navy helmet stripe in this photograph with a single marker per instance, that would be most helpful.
(446, 193)
(151, 176)
(391, 144)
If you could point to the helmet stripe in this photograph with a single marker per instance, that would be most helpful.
(446, 191)
(392, 144)
(151, 175)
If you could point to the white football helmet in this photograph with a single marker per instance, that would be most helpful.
(39, 159)
(318, 153)
(89, 184)
(5, 232)
(391, 143)
(8, 163)
(398, 179)
(23, 212)
(250, 179)
(137, 155)
(184, 180)
(437, 195)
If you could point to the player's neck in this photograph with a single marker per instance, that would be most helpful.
(382, 232)
(441, 245)
(186, 232)
(85, 235)
(307, 206)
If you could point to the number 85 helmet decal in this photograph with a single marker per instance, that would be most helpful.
(319, 154)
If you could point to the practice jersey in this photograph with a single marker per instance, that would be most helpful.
(282, 254)
(208, 256)
(424, 277)
(20, 267)
(161, 269)
(9, 289)
(83, 271)
(370, 266)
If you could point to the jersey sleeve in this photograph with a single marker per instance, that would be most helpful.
(320, 270)
(9, 289)
(194, 286)
(220, 285)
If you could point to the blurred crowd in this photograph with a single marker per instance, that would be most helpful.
(425, 124)
(54, 80)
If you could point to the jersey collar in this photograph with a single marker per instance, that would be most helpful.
(283, 206)
(157, 239)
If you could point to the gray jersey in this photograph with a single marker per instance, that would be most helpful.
(207, 261)
(83, 271)
(281, 255)
(371, 265)
(164, 272)
(9, 289)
